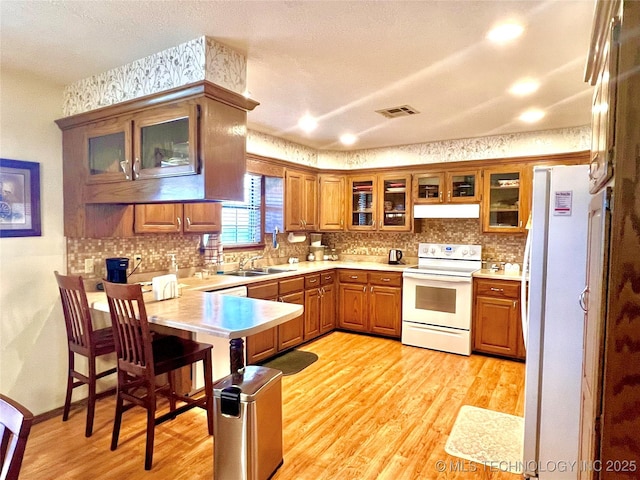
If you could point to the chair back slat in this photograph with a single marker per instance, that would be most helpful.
(77, 316)
(131, 327)
(15, 425)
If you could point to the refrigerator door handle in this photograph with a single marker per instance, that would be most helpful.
(523, 289)
(582, 300)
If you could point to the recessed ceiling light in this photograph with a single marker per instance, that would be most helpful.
(348, 139)
(505, 33)
(524, 87)
(308, 123)
(532, 116)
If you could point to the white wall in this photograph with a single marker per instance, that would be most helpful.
(33, 354)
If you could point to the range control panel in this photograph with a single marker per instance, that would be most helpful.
(447, 250)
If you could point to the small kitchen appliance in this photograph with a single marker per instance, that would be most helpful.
(436, 297)
(117, 269)
(395, 256)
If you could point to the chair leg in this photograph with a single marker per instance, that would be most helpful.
(91, 401)
(151, 424)
(117, 419)
(67, 400)
(171, 377)
(208, 390)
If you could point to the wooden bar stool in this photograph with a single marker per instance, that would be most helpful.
(15, 425)
(82, 339)
(141, 358)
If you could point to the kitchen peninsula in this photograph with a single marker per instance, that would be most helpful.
(218, 315)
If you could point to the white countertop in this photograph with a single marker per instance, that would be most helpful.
(218, 315)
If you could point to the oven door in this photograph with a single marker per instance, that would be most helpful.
(439, 300)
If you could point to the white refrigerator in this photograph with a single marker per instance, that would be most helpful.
(553, 327)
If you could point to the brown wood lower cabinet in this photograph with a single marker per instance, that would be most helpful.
(370, 302)
(264, 344)
(319, 304)
(497, 325)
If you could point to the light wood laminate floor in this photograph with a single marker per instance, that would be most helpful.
(369, 408)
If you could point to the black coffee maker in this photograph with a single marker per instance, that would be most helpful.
(117, 269)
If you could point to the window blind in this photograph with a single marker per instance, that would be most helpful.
(242, 221)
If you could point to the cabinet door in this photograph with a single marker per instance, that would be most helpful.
(495, 326)
(158, 218)
(202, 217)
(385, 304)
(311, 313)
(165, 141)
(294, 201)
(107, 151)
(393, 211)
(262, 345)
(362, 203)
(291, 333)
(503, 201)
(463, 187)
(353, 307)
(310, 212)
(327, 308)
(331, 199)
(428, 187)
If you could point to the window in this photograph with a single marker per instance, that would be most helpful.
(242, 221)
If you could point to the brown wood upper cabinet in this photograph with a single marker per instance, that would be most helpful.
(178, 218)
(505, 203)
(163, 143)
(300, 207)
(447, 187)
(331, 202)
(379, 202)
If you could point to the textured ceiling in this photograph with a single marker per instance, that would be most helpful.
(337, 60)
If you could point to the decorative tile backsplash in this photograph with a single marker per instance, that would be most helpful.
(200, 59)
(155, 250)
(495, 246)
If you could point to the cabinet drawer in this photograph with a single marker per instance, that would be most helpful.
(327, 277)
(498, 288)
(263, 291)
(291, 285)
(353, 276)
(385, 278)
(312, 281)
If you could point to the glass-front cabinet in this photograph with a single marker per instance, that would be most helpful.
(394, 209)
(503, 208)
(362, 203)
(165, 142)
(379, 202)
(108, 151)
(447, 187)
(154, 143)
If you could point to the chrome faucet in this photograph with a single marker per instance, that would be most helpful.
(252, 260)
(243, 261)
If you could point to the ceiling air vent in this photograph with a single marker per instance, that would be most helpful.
(395, 112)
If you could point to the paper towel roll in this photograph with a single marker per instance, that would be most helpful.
(296, 238)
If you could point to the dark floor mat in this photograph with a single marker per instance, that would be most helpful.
(292, 362)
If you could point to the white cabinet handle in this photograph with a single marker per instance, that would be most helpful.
(493, 289)
(179, 221)
(371, 289)
(364, 289)
(355, 277)
(188, 222)
(136, 168)
(124, 165)
(386, 279)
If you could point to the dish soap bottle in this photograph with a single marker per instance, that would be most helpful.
(173, 268)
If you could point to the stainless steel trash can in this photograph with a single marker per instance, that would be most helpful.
(248, 424)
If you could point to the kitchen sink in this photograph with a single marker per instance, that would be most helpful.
(246, 273)
(257, 272)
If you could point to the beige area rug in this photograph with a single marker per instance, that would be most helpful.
(487, 437)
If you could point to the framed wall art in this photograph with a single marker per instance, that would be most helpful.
(19, 198)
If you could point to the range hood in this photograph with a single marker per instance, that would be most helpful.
(461, 210)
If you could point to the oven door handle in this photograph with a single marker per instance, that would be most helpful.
(437, 278)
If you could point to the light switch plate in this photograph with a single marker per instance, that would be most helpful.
(88, 265)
